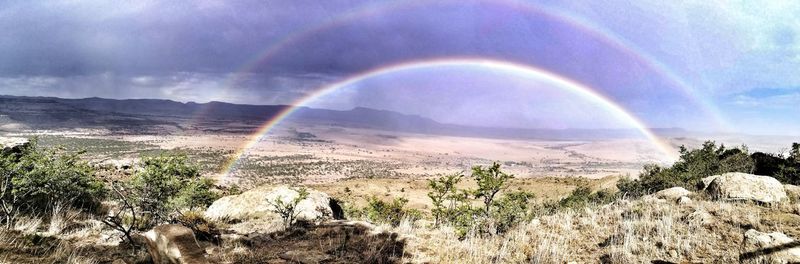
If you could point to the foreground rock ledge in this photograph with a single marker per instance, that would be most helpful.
(174, 244)
(772, 247)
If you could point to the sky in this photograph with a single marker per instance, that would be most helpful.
(701, 65)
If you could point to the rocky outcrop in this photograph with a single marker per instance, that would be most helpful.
(704, 182)
(10, 143)
(793, 191)
(174, 244)
(672, 193)
(772, 247)
(738, 186)
(255, 204)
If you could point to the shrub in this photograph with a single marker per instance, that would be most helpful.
(583, 196)
(160, 189)
(197, 194)
(159, 181)
(204, 229)
(34, 178)
(511, 209)
(389, 212)
(453, 206)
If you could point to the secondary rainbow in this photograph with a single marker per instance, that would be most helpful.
(540, 75)
(600, 33)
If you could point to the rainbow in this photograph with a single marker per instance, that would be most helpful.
(592, 29)
(526, 71)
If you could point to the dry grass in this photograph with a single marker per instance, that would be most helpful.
(637, 231)
(27, 225)
(62, 216)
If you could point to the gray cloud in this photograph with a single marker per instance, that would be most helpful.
(202, 50)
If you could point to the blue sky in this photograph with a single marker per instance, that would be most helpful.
(738, 58)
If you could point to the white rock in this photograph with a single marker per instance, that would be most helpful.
(793, 191)
(684, 200)
(256, 204)
(738, 186)
(672, 193)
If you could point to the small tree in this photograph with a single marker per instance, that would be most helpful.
(124, 219)
(288, 210)
(444, 196)
(163, 186)
(490, 181)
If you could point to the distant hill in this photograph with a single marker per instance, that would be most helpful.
(138, 115)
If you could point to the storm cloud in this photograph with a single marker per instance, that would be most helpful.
(274, 52)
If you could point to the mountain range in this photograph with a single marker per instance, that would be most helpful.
(154, 115)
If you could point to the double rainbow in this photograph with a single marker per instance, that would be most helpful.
(525, 71)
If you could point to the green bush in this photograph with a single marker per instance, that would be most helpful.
(197, 194)
(583, 196)
(453, 206)
(162, 187)
(391, 213)
(692, 166)
(511, 209)
(167, 183)
(35, 178)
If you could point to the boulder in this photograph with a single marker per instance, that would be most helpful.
(704, 182)
(793, 191)
(738, 186)
(13, 145)
(256, 203)
(684, 200)
(772, 247)
(672, 193)
(173, 244)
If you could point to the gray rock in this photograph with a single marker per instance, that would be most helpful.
(738, 186)
(704, 182)
(763, 247)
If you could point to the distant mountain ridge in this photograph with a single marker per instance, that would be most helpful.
(138, 114)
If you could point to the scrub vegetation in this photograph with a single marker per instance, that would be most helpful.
(58, 207)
